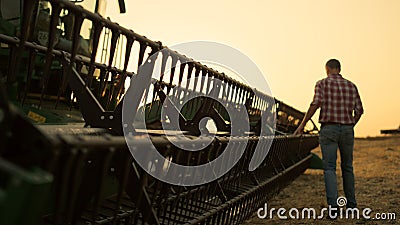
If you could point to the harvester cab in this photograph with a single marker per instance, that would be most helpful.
(39, 89)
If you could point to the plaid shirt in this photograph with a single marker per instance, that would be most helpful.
(338, 98)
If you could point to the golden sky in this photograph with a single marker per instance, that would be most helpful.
(290, 41)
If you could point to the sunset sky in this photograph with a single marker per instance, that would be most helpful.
(290, 41)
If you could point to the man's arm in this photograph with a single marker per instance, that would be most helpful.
(310, 112)
(315, 104)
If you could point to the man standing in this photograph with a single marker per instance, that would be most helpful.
(341, 109)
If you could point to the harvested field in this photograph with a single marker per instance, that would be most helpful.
(377, 174)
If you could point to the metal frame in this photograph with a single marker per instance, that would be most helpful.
(95, 178)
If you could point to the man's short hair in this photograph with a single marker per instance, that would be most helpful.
(333, 64)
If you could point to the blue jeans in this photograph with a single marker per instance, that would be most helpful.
(331, 138)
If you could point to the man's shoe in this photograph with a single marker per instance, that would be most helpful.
(351, 206)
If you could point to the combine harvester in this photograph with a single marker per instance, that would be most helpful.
(391, 131)
(63, 155)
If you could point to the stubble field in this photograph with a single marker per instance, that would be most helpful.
(377, 180)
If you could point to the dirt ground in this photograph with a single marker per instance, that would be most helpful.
(377, 180)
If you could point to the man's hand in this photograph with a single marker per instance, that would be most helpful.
(356, 118)
(299, 130)
(307, 117)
